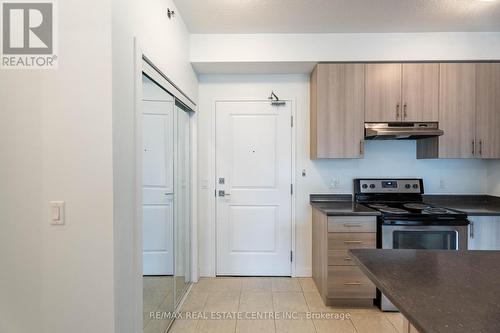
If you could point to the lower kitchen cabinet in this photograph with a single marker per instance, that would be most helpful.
(484, 233)
(338, 279)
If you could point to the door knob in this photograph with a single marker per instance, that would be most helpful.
(223, 193)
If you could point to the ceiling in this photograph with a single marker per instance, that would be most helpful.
(339, 16)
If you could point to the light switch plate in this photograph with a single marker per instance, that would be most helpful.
(57, 213)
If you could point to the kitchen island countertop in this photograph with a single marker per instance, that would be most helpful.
(438, 291)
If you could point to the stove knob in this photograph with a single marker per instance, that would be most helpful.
(415, 186)
(408, 186)
(364, 186)
(372, 186)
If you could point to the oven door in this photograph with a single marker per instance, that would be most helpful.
(420, 237)
(424, 237)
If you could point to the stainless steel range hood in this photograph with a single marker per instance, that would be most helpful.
(401, 131)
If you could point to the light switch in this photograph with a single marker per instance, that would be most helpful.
(57, 212)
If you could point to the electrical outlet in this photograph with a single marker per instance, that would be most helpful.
(442, 184)
(334, 183)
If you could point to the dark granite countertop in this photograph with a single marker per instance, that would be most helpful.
(340, 205)
(473, 205)
(438, 291)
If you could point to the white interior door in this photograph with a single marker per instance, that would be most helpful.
(253, 157)
(158, 187)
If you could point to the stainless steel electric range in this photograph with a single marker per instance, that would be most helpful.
(407, 222)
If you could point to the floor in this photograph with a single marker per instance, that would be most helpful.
(296, 298)
(158, 296)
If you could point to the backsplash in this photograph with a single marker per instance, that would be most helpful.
(494, 177)
(397, 159)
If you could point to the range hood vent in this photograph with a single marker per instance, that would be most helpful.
(401, 131)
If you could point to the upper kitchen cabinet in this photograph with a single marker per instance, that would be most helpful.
(337, 111)
(420, 92)
(402, 92)
(383, 93)
(469, 113)
(457, 114)
(488, 110)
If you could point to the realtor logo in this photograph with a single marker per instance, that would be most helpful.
(28, 34)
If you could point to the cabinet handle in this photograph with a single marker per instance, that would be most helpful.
(352, 283)
(471, 230)
(354, 225)
(473, 147)
(353, 242)
(397, 111)
(481, 147)
(347, 258)
(405, 112)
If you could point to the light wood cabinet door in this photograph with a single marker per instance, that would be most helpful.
(383, 93)
(457, 110)
(420, 92)
(488, 110)
(337, 111)
(349, 282)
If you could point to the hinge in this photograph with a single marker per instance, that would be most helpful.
(291, 256)
(291, 121)
(291, 189)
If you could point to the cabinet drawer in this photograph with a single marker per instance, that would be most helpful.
(339, 257)
(352, 224)
(349, 282)
(345, 241)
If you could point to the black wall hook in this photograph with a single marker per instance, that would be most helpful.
(275, 100)
(273, 96)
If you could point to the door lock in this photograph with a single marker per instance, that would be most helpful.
(223, 193)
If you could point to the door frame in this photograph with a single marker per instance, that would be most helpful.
(213, 154)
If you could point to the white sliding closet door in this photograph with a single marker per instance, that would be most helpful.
(158, 184)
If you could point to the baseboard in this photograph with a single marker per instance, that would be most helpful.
(303, 272)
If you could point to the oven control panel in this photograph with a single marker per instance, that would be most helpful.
(388, 186)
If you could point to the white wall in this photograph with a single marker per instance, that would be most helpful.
(216, 48)
(57, 145)
(383, 159)
(21, 199)
(297, 53)
(166, 43)
(67, 134)
(494, 177)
